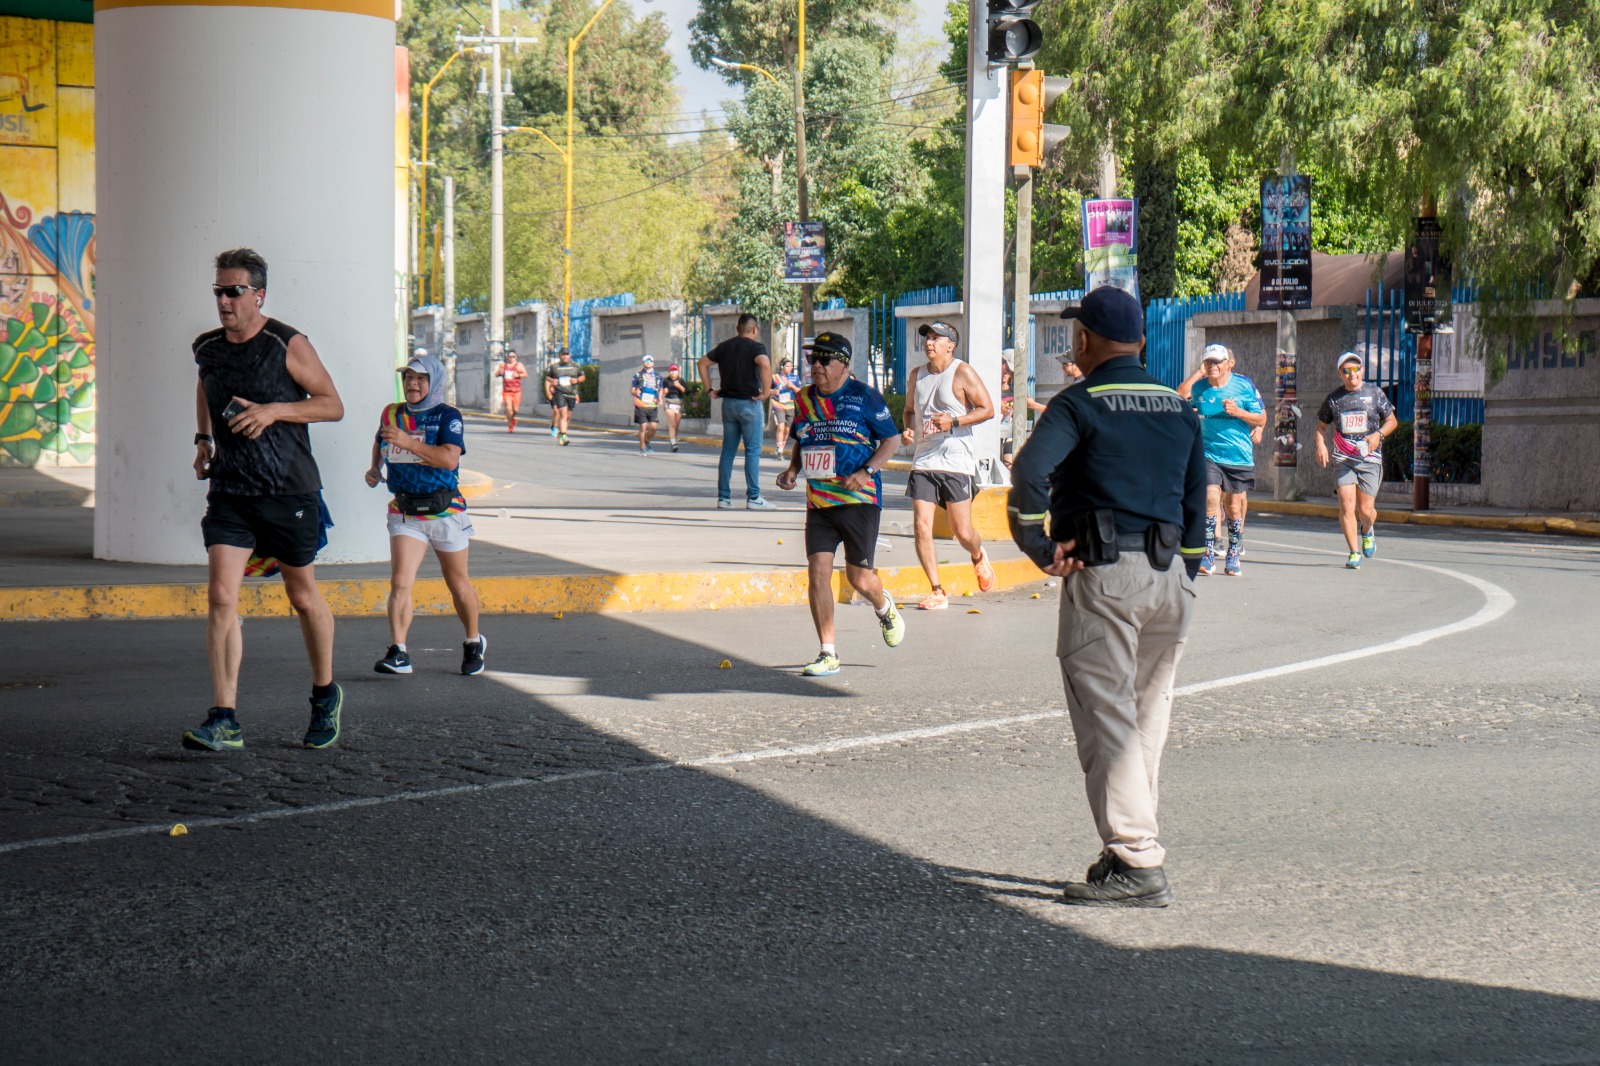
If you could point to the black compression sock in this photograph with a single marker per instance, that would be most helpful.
(321, 692)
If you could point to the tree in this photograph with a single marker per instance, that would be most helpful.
(1486, 108)
(762, 32)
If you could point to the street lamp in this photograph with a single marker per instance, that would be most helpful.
(725, 65)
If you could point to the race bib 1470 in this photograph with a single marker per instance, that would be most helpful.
(816, 464)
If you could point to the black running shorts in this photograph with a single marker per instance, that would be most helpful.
(1231, 478)
(564, 403)
(644, 415)
(285, 528)
(941, 487)
(854, 524)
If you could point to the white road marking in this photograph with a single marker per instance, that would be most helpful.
(1497, 602)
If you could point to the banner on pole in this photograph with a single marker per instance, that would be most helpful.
(1111, 244)
(1427, 281)
(804, 253)
(1285, 243)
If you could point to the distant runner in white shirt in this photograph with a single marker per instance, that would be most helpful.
(944, 400)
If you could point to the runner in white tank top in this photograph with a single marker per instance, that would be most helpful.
(944, 400)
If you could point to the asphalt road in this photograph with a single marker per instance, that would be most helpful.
(607, 849)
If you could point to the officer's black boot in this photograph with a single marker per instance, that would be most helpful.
(1113, 883)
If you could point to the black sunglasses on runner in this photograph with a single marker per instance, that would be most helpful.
(824, 358)
(231, 291)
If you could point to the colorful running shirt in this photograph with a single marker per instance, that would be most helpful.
(648, 382)
(841, 430)
(1227, 438)
(567, 376)
(511, 377)
(440, 424)
(1354, 414)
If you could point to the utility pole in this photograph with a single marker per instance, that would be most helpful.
(1021, 295)
(983, 236)
(448, 330)
(497, 187)
(807, 326)
(1422, 397)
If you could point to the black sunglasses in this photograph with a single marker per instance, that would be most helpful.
(231, 291)
(824, 358)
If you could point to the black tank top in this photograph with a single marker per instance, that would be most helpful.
(279, 462)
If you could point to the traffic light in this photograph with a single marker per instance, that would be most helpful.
(1031, 138)
(1013, 35)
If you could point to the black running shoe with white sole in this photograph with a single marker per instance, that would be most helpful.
(397, 661)
(472, 655)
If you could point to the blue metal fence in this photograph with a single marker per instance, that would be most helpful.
(895, 371)
(1164, 322)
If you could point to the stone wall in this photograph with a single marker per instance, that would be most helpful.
(1541, 426)
(622, 335)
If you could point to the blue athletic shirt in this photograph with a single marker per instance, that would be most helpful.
(440, 424)
(1227, 438)
(853, 421)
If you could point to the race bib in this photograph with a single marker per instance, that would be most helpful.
(397, 456)
(816, 464)
(1353, 423)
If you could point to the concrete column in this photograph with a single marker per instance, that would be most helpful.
(222, 125)
(985, 235)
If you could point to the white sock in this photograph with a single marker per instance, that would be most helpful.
(888, 605)
(828, 649)
(401, 646)
(472, 639)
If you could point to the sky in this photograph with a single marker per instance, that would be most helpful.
(703, 89)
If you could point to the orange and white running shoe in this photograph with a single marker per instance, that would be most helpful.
(984, 570)
(934, 601)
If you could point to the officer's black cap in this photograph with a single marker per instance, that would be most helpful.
(1112, 313)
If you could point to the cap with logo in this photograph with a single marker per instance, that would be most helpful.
(833, 343)
(939, 329)
(1216, 353)
(1349, 357)
(1111, 313)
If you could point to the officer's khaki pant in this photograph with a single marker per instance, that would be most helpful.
(1123, 628)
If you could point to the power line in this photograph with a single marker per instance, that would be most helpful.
(626, 195)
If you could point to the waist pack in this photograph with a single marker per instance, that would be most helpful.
(425, 504)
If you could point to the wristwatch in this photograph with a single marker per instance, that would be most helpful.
(198, 437)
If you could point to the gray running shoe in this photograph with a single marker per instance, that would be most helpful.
(324, 728)
(472, 655)
(220, 733)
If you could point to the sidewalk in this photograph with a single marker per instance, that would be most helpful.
(1474, 517)
(601, 530)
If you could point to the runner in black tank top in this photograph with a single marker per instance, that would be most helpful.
(260, 385)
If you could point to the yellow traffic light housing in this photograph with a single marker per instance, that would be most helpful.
(1031, 139)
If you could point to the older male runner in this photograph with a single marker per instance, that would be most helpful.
(261, 384)
(1230, 412)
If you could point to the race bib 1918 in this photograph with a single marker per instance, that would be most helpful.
(1353, 423)
(816, 464)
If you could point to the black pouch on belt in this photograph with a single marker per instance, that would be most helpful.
(425, 504)
(1161, 543)
(1096, 534)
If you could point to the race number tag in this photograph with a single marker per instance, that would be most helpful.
(1353, 423)
(400, 455)
(816, 464)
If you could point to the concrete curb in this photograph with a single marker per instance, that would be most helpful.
(548, 594)
(1509, 523)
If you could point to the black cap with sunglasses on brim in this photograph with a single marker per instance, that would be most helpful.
(834, 344)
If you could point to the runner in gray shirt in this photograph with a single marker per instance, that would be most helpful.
(1360, 417)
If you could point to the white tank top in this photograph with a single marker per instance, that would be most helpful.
(951, 450)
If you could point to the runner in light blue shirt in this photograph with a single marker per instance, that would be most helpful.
(1231, 419)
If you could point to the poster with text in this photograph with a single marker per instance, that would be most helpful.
(1285, 243)
(804, 248)
(1111, 244)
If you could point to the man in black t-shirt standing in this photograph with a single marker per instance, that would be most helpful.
(745, 382)
(261, 384)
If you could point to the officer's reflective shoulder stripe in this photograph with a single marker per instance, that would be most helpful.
(1146, 398)
(1131, 386)
(1192, 551)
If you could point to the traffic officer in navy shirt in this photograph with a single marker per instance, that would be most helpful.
(1118, 467)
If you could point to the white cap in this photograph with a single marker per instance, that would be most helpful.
(1216, 353)
(1349, 357)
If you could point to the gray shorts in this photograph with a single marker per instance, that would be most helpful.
(941, 487)
(1365, 474)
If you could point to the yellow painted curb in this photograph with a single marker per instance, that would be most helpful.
(474, 484)
(988, 516)
(1515, 524)
(582, 594)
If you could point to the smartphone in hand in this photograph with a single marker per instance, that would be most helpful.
(233, 410)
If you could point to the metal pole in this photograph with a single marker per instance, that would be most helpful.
(984, 228)
(1021, 389)
(1285, 423)
(497, 210)
(1422, 407)
(448, 329)
(807, 327)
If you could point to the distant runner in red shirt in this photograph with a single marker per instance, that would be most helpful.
(511, 374)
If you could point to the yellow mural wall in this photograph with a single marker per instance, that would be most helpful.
(47, 249)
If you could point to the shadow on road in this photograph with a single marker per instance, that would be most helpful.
(643, 913)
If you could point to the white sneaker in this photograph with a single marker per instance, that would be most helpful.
(760, 504)
(724, 505)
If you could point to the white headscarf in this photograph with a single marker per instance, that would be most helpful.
(427, 364)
